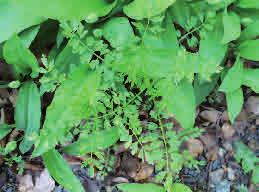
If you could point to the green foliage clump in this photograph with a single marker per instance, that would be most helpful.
(113, 59)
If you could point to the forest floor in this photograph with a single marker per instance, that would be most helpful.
(221, 173)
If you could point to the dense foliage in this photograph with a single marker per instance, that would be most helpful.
(110, 59)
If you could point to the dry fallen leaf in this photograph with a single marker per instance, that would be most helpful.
(252, 105)
(130, 165)
(211, 115)
(242, 116)
(145, 172)
(210, 145)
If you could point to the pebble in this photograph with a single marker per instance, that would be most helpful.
(231, 174)
(216, 176)
(195, 147)
(217, 164)
(228, 131)
(3, 179)
(223, 186)
(228, 146)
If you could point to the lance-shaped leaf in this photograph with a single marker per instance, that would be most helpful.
(20, 57)
(140, 9)
(28, 114)
(179, 100)
(29, 35)
(235, 102)
(72, 102)
(232, 27)
(133, 187)
(5, 130)
(88, 143)
(236, 72)
(179, 187)
(61, 172)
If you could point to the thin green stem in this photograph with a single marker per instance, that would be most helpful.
(165, 144)
(112, 112)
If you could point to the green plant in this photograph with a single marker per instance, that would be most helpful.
(110, 55)
(248, 160)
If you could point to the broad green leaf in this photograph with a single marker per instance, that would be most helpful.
(179, 100)
(134, 187)
(203, 88)
(28, 114)
(29, 35)
(235, 100)
(140, 9)
(81, 9)
(250, 32)
(183, 96)
(20, 57)
(232, 27)
(5, 130)
(234, 78)
(251, 79)
(248, 4)
(16, 16)
(211, 43)
(118, 32)
(178, 187)
(61, 172)
(88, 143)
(67, 59)
(250, 50)
(248, 16)
(167, 39)
(72, 102)
(10, 146)
(181, 13)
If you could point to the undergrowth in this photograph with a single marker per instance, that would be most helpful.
(109, 63)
